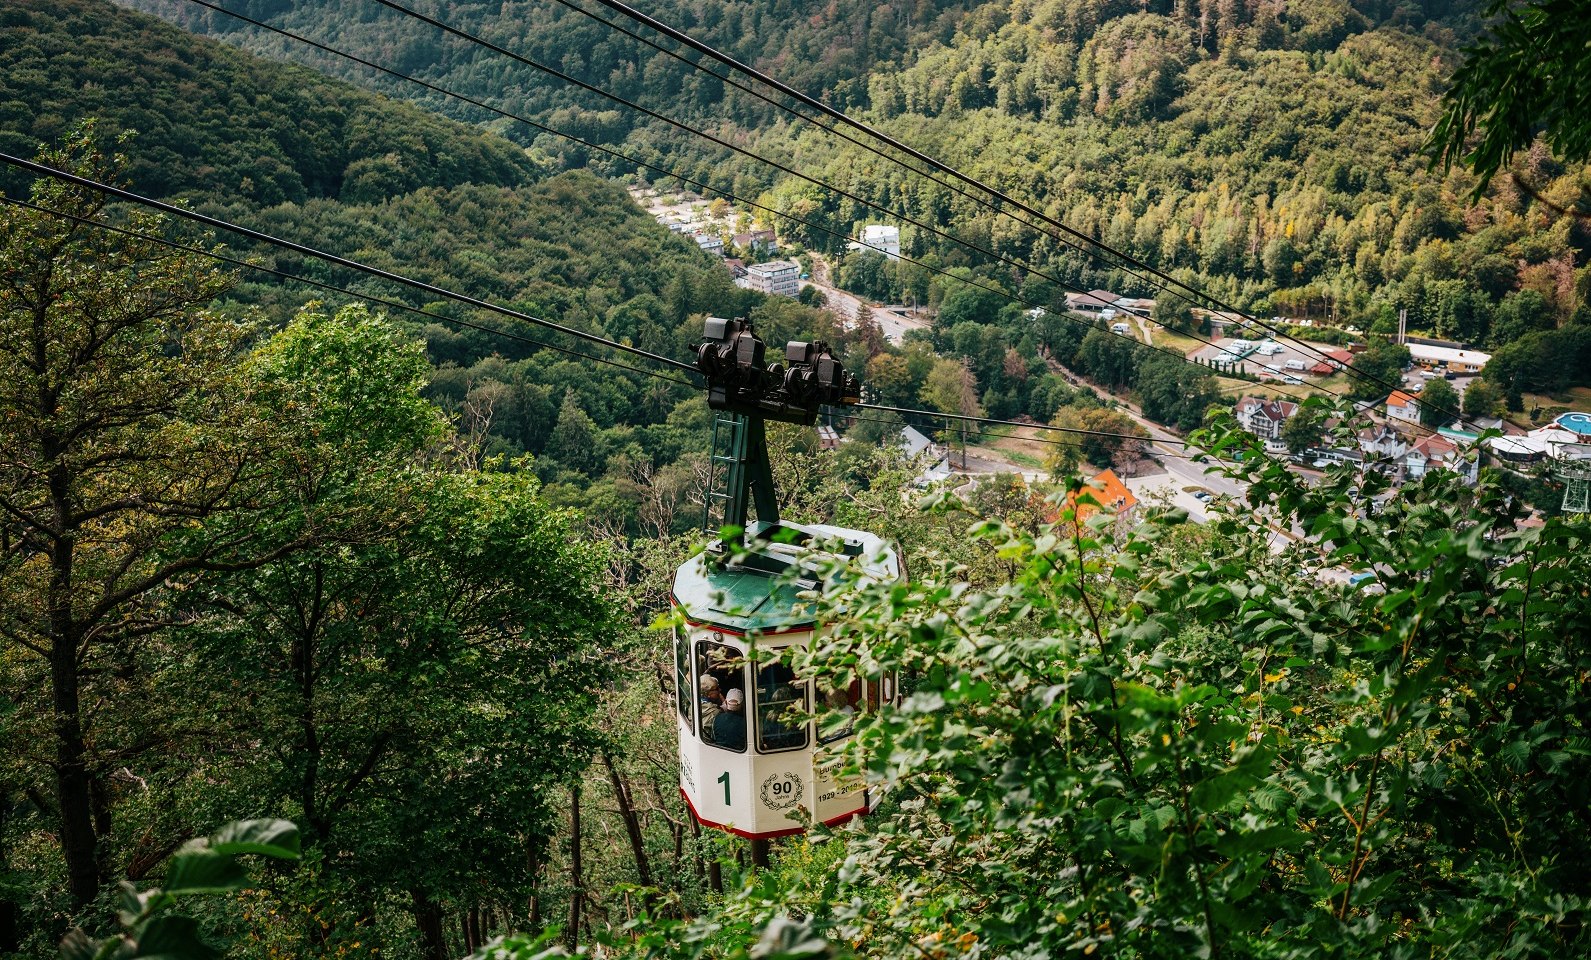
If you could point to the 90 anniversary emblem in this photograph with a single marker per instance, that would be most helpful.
(781, 790)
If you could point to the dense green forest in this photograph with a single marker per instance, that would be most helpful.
(1270, 154)
(270, 553)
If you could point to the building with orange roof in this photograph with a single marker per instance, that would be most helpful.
(1402, 406)
(1108, 492)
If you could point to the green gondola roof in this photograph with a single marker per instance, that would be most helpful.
(746, 601)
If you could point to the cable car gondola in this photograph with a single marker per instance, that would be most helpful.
(749, 753)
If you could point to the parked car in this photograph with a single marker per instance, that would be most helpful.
(1321, 464)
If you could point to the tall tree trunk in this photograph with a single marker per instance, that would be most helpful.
(577, 894)
(79, 842)
(534, 845)
(632, 822)
(676, 828)
(696, 836)
(428, 921)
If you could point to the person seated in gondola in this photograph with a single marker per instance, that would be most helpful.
(729, 727)
(711, 705)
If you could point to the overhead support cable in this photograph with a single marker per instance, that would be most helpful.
(783, 168)
(620, 155)
(836, 131)
(441, 292)
(333, 288)
(256, 235)
(1000, 196)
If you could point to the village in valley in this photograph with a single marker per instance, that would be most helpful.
(1396, 435)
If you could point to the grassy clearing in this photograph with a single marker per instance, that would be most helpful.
(1549, 405)
(1012, 446)
(1175, 341)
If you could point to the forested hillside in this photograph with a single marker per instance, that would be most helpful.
(314, 160)
(1271, 153)
(213, 123)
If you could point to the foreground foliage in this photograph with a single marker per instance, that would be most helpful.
(1189, 745)
(251, 574)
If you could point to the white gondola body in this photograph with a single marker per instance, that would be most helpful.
(771, 781)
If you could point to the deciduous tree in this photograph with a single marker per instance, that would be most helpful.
(122, 428)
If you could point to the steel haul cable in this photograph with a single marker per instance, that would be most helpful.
(332, 288)
(687, 128)
(695, 183)
(841, 117)
(218, 224)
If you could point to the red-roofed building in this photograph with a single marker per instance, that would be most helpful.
(1264, 419)
(1337, 357)
(1439, 453)
(1402, 406)
(1108, 491)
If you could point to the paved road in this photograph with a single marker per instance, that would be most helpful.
(1143, 325)
(845, 304)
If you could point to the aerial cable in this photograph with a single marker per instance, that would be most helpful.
(394, 304)
(641, 163)
(214, 223)
(836, 131)
(695, 183)
(332, 288)
(687, 128)
(984, 202)
(841, 117)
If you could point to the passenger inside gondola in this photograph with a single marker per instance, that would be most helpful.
(729, 730)
(721, 669)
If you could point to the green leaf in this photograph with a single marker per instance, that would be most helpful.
(271, 838)
(77, 946)
(200, 870)
(785, 939)
(173, 938)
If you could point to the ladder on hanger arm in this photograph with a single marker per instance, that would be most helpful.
(745, 393)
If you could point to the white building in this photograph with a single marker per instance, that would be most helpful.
(1439, 453)
(778, 277)
(879, 237)
(1264, 419)
(1094, 301)
(1449, 358)
(710, 243)
(1381, 442)
(1403, 407)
